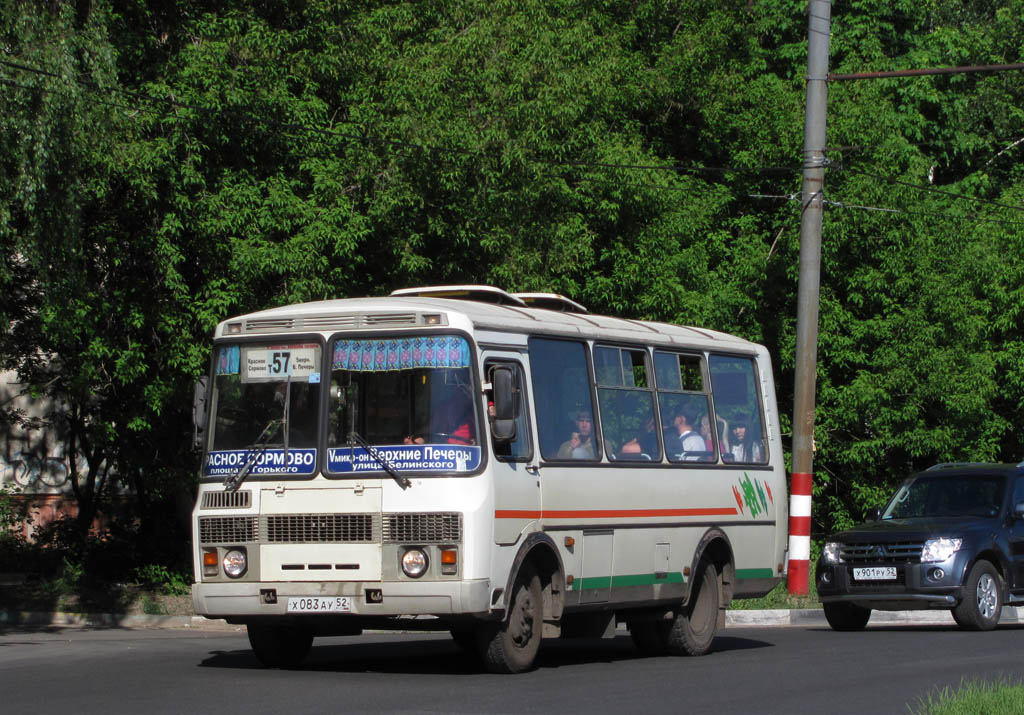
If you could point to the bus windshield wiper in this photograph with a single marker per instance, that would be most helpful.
(379, 458)
(233, 481)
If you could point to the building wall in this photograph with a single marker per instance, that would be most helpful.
(33, 462)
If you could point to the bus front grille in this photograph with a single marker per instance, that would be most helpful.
(320, 528)
(422, 528)
(228, 529)
(227, 500)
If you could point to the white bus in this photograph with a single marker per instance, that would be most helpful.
(508, 467)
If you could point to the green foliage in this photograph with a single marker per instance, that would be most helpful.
(12, 515)
(167, 581)
(166, 166)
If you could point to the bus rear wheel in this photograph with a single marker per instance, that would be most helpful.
(693, 628)
(279, 646)
(512, 645)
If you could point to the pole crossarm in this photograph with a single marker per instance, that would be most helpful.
(927, 71)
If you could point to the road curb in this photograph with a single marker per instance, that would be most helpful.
(38, 619)
(810, 617)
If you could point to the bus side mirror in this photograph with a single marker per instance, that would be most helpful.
(503, 422)
(199, 412)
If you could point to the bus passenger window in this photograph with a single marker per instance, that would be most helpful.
(685, 408)
(627, 404)
(561, 393)
(736, 396)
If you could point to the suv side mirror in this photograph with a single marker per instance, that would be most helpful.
(503, 424)
(873, 514)
(1018, 510)
(199, 413)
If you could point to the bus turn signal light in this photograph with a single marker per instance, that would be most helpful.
(210, 562)
(449, 561)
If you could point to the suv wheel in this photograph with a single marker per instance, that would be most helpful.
(846, 616)
(983, 599)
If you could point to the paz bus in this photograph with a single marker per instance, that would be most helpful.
(506, 467)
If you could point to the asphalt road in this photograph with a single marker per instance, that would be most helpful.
(752, 670)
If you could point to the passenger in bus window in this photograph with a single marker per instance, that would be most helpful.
(682, 437)
(454, 425)
(709, 442)
(745, 448)
(580, 444)
(643, 445)
(705, 432)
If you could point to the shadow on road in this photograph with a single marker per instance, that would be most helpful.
(440, 655)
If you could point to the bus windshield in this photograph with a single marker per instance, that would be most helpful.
(265, 400)
(410, 397)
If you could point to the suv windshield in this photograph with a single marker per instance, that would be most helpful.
(947, 496)
(411, 399)
(265, 400)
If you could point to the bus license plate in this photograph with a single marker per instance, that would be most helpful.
(320, 604)
(875, 573)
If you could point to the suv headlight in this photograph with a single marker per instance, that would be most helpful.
(830, 553)
(939, 549)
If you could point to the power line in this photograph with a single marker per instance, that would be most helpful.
(929, 189)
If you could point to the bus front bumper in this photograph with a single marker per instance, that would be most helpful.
(241, 601)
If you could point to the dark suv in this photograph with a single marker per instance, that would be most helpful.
(952, 537)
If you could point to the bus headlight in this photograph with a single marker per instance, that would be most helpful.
(414, 563)
(235, 563)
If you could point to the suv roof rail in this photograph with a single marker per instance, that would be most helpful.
(953, 465)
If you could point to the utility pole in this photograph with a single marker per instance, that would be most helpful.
(818, 32)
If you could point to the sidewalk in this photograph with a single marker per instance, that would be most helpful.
(800, 618)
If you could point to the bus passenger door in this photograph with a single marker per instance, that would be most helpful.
(516, 482)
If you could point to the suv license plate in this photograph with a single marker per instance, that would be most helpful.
(873, 573)
(320, 604)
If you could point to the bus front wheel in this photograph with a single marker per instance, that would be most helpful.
(279, 646)
(511, 646)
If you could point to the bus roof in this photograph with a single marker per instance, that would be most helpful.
(471, 308)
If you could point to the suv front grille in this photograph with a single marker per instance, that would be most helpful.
(891, 553)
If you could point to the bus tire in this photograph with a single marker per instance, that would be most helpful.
(279, 646)
(650, 637)
(695, 626)
(511, 646)
(465, 639)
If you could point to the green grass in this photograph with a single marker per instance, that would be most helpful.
(779, 597)
(998, 698)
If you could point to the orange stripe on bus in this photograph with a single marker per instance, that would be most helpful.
(613, 513)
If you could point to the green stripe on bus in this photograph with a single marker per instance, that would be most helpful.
(642, 579)
(754, 573)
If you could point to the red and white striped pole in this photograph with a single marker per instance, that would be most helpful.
(799, 533)
(819, 29)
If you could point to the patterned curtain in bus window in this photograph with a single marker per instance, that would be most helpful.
(402, 353)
